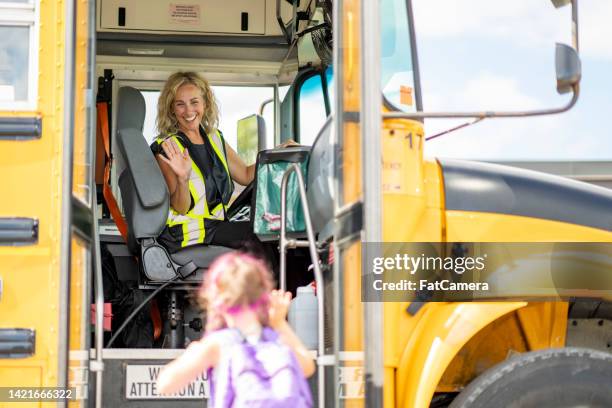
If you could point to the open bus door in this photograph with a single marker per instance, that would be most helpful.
(47, 208)
(241, 49)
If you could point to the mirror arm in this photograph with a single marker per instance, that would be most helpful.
(574, 6)
(485, 114)
(575, 25)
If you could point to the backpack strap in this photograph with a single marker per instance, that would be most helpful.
(221, 389)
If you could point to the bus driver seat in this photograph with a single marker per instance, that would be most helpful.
(146, 201)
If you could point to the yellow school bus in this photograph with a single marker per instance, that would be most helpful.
(316, 73)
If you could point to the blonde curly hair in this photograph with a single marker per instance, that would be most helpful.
(166, 121)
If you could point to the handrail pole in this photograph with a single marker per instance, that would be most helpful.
(98, 365)
(316, 266)
(283, 237)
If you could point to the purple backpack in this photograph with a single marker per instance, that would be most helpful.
(262, 375)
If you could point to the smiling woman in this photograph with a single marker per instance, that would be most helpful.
(189, 108)
(198, 167)
(235, 102)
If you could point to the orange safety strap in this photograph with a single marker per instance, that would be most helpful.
(107, 192)
(156, 318)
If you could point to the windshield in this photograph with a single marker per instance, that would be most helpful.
(397, 74)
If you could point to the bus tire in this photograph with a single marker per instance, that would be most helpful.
(566, 377)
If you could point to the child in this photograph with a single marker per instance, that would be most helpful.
(252, 355)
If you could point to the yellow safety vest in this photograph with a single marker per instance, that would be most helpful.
(192, 223)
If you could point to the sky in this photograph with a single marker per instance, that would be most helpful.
(488, 55)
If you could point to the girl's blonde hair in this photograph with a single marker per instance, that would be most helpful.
(234, 282)
(166, 120)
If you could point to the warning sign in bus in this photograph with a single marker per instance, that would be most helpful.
(141, 384)
(184, 13)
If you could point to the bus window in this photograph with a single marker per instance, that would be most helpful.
(234, 102)
(237, 102)
(398, 85)
(282, 91)
(149, 130)
(18, 46)
(329, 77)
(312, 112)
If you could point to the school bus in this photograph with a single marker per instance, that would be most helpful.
(76, 71)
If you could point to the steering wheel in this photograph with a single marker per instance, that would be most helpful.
(243, 200)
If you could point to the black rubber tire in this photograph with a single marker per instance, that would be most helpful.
(567, 377)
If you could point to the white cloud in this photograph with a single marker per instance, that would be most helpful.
(489, 91)
(541, 138)
(465, 82)
(527, 23)
(485, 91)
(520, 138)
(524, 22)
(238, 102)
(595, 28)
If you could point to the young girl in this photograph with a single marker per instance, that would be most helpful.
(249, 349)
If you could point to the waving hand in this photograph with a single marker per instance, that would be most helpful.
(180, 163)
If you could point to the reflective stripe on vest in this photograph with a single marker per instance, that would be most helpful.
(193, 222)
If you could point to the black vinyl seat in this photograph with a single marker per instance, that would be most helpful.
(201, 255)
(146, 201)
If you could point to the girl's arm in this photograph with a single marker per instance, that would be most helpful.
(279, 305)
(197, 358)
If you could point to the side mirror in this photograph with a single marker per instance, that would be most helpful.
(567, 61)
(568, 68)
(251, 137)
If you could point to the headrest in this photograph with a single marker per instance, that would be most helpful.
(131, 109)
